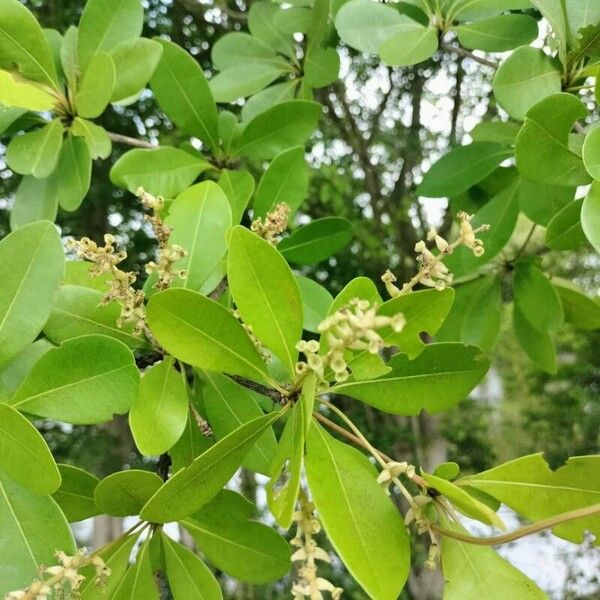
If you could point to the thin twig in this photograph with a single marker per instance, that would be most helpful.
(219, 290)
(264, 390)
(548, 523)
(464, 52)
(130, 141)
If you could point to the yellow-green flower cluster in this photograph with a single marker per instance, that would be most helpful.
(309, 584)
(354, 327)
(274, 224)
(64, 579)
(416, 514)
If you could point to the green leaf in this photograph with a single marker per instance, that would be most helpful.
(24, 454)
(183, 93)
(13, 372)
(591, 153)
(84, 381)
(165, 171)
(189, 578)
(69, 59)
(478, 9)
(269, 97)
(590, 216)
(96, 137)
(21, 93)
(36, 152)
(159, 412)
(581, 14)
(195, 485)
(463, 501)
(246, 550)
(23, 43)
(281, 127)
(553, 12)
(96, 88)
(79, 311)
(461, 168)
(410, 45)
(33, 529)
(527, 76)
(317, 241)
(125, 492)
(316, 301)
(499, 132)
(482, 320)
(202, 333)
(284, 180)
(535, 297)
(244, 80)
(32, 264)
(579, 310)
(536, 344)
(440, 377)
(105, 24)
(498, 34)
(135, 62)
(116, 556)
(530, 487)
(35, 200)
(564, 231)
(543, 151)
(261, 23)
(361, 521)
(238, 187)
(541, 202)
(228, 406)
(8, 116)
(424, 311)
(75, 496)
(366, 25)
(274, 310)
(321, 67)
(200, 218)
(191, 444)
(474, 572)
(139, 580)
(73, 172)
(284, 485)
(240, 48)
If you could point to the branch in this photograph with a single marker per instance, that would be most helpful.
(463, 52)
(580, 513)
(130, 141)
(219, 290)
(264, 390)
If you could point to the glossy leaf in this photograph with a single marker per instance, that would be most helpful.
(543, 151)
(228, 406)
(244, 80)
(590, 216)
(316, 301)
(163, 172)
(189, 578)
(96, 88)
(536, 344)
(281, 127)
(23, 43)
(441, 376)
(33, 528)
(20, 93)
(317, 241)
(31, 266)
(541, 202)
(527, 76)
(238, 187)
(76, 493)
(564, 231)
(135, 62)
(106, 23)
(361, 521)
(530, 487)
(273, 311)
(36, 152)
(202, 333)
(321, 67)
(285, 180)
(159, 412)
(191, 444)
(411, 44)
(195, 485)
(73, 172)
(579, 310)
(79, 311)
(35, 200)
(85, 380)
(200, 218)
(461, 168)
(183, 93)
(24, 455)
(498, 34)
(125, 492)
(96, 137)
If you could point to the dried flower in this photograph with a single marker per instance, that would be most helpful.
(274, 224)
